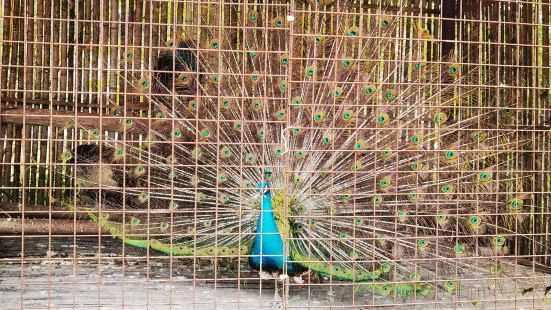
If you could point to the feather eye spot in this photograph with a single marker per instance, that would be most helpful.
(214, 44)
(144, 83)
(347, 115)
(474, 221)
(139, 170)
(261, 133)
(170, 43)
(485, 177)
(383, 119)
(143, 197)
(369, 90)
(337, 92)
(385, 182)
(296, 101)
(95, 133)
(441, 217)
(319, 116)
(225, 104)
(390, 95)
(479, 136)
(222, 177)
(253, 15)
(451, 155)
(401, 215)
(385, 21)
(449, 286)
(499, 241)
(453, 70)
(255, 77)
(200, 197)
(278, 151)
(446, 189)
(516, 204)
(356, 166)
(440, 118)
(459, 249)
(250, 159)
(238, 126)
(353, 31)
(280, 115)
(224, 198)
(278, 22)
(310, 71)
(386, 153)
(345, 197)
(346, 63)
(326, 139)
(284, 59)
(256, 105)
(422, 243)
(205, 133)
(193, 105)
(66, 156)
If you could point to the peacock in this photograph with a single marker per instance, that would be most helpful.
(345, 147)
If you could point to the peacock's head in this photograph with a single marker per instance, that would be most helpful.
(263, 187)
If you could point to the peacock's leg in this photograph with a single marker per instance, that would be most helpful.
(276, 303)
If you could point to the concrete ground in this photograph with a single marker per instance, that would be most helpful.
(69, 273)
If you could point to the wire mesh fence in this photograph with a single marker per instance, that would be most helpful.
(276, 154)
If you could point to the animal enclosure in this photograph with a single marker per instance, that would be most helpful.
(275, 154)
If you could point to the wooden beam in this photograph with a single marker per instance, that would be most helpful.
(6, 101)
(67, 119)
(47, 227)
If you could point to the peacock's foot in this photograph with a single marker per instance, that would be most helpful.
(265, 275)
(298, 280)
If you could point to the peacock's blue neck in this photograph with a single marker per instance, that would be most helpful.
(268, 245)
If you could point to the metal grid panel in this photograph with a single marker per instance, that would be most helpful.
(153, 121)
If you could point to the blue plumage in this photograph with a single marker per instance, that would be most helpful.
(268, 246)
